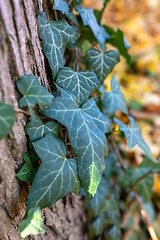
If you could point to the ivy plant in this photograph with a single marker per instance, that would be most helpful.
(71, 129)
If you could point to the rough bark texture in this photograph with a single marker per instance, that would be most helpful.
(21, 53)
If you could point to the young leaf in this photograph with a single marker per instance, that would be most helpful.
(133, 136)
(56, 175)
(86, 127)
(101, 63)
(7, 119)
(55, 37)
(81, 83)
(27, 172)
(119, 41)
(114, 100)
(62, 6)
(89, 19)
(33, 224)
(33, 92)
(99, 201)
(36, 129)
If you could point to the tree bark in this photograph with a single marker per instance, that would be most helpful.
(21, 53)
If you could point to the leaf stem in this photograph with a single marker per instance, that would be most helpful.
(120, 159)
(18, 110)
(136, 183)
(55, 15)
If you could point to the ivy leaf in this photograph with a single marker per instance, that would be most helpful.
(111, 168)
(86, 127)
(99, 13)
(33, 92)
(81, 83)
(55, 37)
(99, 225)
(114, 233)
(61, 6)
(36, 129)
(119, 41)
(132, 174)
(133, 136)
(27, 172)
(89, 19)
(33, 224)
(114, 100)
(56, 175)
(99, 201)
(7, 119)
(144, 188)
(101, 63)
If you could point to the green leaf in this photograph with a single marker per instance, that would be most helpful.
(55, 37)
(33, 224)
(101, 63)
(99, 201)
(115, 233)
(7, 119)
(111, 168)
(144, 188)
(33, 92)
(27, 172)
(56, 175)
(61, 6)
(99, 224)
(86, 127)
(119, 41)
(114, 100)
(90, 20)
(36, 129)
(132, 174)
(99, 13)
(133, 136)
(81, 83)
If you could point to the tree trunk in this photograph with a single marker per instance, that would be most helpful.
(21, 53)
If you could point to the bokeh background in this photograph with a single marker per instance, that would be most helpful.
(140, 22)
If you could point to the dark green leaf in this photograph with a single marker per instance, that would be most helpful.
(144, 188)
(61, 6)
(133, 136)
(118, 40)
(55, 37)
(115, 233)
(7, 119)
(27, 172)
(81, 83)
(133, 174)
(89, 19)
(99, 225)
(114, 99)
(86, 127)
(36, 129)
(99, 13)
(111, 168)
(56, 175)
(33, 224)
(99, 201)
(101, 63)
(33, 92)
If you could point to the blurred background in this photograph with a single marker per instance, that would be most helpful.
(139, 20)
